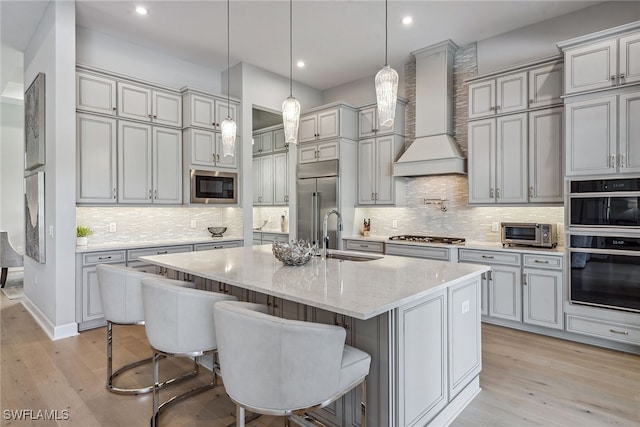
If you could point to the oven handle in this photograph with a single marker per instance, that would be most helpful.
(605, 251)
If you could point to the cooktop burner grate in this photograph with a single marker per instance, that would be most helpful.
(428, 239)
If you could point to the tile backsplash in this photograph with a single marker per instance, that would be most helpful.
(459, 219)
(147, 224)
(270, 214)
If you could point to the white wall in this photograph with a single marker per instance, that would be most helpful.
(360, 92)
(50, 287)
(539, 40)
(112, 54)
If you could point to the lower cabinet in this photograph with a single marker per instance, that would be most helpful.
(260, 238)
(363, 246)
(420, 251)
(542, 291)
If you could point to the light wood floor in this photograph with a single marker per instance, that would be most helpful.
(527, 380)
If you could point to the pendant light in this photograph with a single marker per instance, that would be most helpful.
(228, 126)
(290, 106)
(386, 85)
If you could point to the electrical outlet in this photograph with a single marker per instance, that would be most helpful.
(112, 227)
(495, 226)
(465, 306)
(193, 223)
(395, 223)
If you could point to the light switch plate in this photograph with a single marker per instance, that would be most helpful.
(495, 226)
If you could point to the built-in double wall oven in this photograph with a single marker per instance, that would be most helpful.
(604, 242)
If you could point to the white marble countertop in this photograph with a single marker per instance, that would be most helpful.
(112, 246)
(358, 289)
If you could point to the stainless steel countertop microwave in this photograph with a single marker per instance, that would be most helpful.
(214, 187)
(529, 234)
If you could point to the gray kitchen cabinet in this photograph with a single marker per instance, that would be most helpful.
(376, 183)
(364, 246)
(501, 95)
(134, 262)
(150, 164)
(309, 153)
(217, 245)
(321, 125)
(281, 178)
(201, 110)
(96, 159)
(498, 160)
(545, 85)
(439, 253)
(139, 102)
(262, 238)
(204, 150)
(279, 142)
(89, 308)
(542, 291)
(263, 180)
(95, 93)
(368, 126)
(262, 142)
(546, 180)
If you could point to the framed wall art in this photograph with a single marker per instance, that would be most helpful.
(34, 123)
(34, 216)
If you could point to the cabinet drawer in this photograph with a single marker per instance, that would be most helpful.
(218, 245)
(441, 254)
(103, 257)
(489, 257)
(542, 261)
(359, 245)
(134, 254)
(273, 237)
(603, 329)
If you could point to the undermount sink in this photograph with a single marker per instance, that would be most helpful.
(351, 257)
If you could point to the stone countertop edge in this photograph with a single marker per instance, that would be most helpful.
(113, 246)
(270, 231)
(361, 290)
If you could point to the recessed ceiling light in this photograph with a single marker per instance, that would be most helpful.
(300, 64)
(141, 10)
(407, 20)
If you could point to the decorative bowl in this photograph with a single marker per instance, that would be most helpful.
(295, 252)
(217, 231)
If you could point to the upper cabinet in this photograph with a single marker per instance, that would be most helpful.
(333, 121)
(206, 111)
(96, 94)
(603, 60)
(545, 85)
(269, 140)
(146, 104)
(368, 125)
(502, 95)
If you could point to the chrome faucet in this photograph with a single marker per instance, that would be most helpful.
(325, 231)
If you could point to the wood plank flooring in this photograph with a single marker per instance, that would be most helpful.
(527, 380)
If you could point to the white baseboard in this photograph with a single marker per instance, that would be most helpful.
(53, 332)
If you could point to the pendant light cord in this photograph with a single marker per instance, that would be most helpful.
(291, 47)
(228, 62)
(386, 32)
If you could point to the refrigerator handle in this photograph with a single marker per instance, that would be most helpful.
(314, 223)
(318, 219)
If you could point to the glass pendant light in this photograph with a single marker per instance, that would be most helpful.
(290, 106)
(228, 126)
(386, 85)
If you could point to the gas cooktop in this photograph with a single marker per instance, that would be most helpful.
(428, 239)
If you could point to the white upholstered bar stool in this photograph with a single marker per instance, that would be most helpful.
(8, 257)
(179, 322)
(121, 296)
(275, 366)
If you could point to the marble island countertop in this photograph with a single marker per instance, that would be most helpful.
(358, 289)
(111, 246)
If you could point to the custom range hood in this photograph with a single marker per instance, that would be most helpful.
(434, 151)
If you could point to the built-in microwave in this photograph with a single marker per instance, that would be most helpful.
(529, 234)
(214, 187)
(605, 203)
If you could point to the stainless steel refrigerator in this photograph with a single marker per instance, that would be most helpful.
(317, 194)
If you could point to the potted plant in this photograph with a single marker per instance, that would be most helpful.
(81, 235)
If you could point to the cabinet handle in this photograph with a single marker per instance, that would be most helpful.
(619, 332)
(489, 275)
(613, 80)
(491, 193)
(613, 160)
(497, 107)
(149, 194)
(155, 117)
(376, 196)
(531, 101)
(114, 109)
(487, 256)
(115, 194)
(492, 108)
(149, 115)
(364, 246)
(621, 160)
(155, 194)
(497, 193)
(372, 196)
(100, 258)
(531, 196)
(217, 247)
(218, 158)
(162, 252)
(524, 280)
(621, 78)
(540, 261)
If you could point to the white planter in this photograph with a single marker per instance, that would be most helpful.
(81, 241)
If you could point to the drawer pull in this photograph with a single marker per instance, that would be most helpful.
(364, 246)
(539, 261)
(487, 256)
(161, 252)
(104, 257)
(619, 332)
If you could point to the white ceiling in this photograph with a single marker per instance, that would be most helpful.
(340, 40)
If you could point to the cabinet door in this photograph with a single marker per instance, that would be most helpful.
(629, 143)
(590, 136)
(202, 147)
(329, 124)
(367, 122)
(91, 303)
(95, 94)
(280, 179)
(134, 102)
(134, 162)
(266, 170)
(266, 142)
(279, 143)
(328, 150)
(224, 110)
(542, 301)
(96, 159)
(307, 153)
(630, 58)
(545, 85)
(308, 129)
(545, 156)
(167, 108)
(167, 165)
(482, 155)
(202, 112)
(511, 93)
(257, 181)
(484, 295)
(505, 293)
(482, 97)
(384, 170)
(590, 67)
(366, 172)
(511, 160)
(223, 161)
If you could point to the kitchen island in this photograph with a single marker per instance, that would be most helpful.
(419, 320)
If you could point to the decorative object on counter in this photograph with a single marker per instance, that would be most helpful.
(264, 222)
(366, 227)
(228, 126)
(82, 234)
(295, 252)
(217, 231)
(284, 223)
(441, 202)
(386, 84)
(290, 106)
